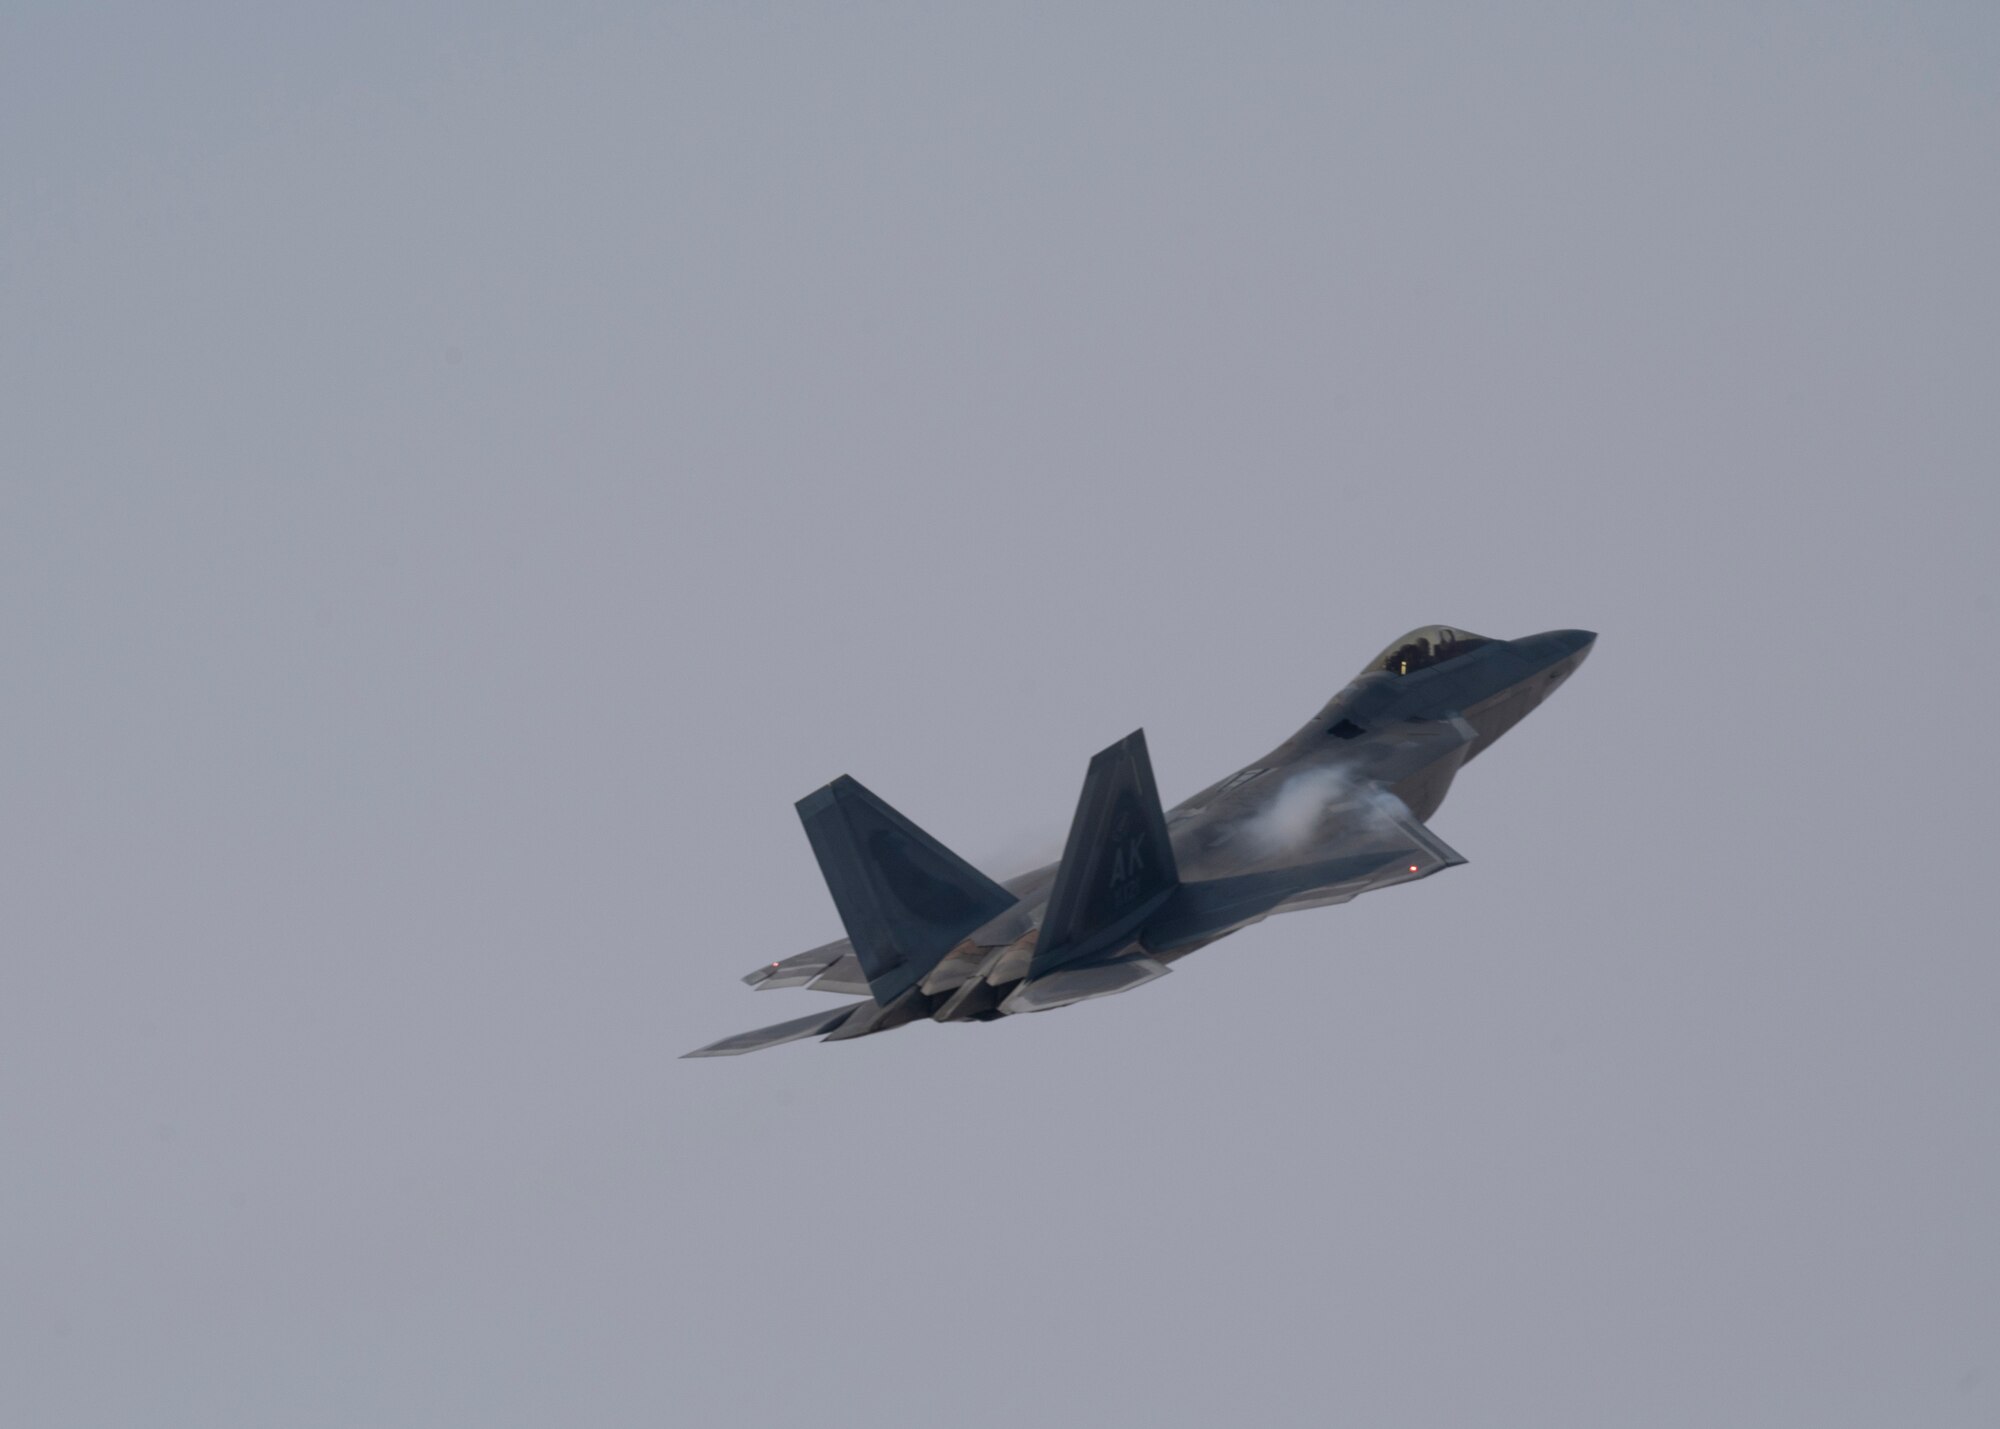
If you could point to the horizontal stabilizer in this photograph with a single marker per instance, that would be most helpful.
(1066, 985)
(905, 899)
(844, 977)
(872, 1017)
(809, 1026)
(1118, 865)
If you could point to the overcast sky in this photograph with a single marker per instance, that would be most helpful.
(466, 470)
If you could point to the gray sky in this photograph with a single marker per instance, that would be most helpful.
(465, 472)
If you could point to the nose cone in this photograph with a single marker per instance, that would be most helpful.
(1554, 646)
(1576, 642)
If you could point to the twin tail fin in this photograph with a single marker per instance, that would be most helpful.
(905, 899)
(1118, 866)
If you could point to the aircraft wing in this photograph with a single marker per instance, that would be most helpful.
(832, 967)
(800, 968)
(813, 1024)
(1379, 826)
(1359, 843)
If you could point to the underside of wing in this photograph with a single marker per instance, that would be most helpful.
(1384, 825)
(1344, 841)
(1208, 908)
(813, 1025)
(800, 968)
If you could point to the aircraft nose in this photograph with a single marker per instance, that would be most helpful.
(1552, 646)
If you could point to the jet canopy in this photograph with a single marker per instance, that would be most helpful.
(1425, 647)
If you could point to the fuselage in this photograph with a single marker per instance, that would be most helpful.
(1404, 732)
(1336, 810)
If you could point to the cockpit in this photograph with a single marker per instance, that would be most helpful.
(1423, 648)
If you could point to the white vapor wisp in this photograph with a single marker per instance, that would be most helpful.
(1293, 816)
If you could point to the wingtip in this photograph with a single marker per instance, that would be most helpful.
(811, 1025)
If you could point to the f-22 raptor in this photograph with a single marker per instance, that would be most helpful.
(1336, 810)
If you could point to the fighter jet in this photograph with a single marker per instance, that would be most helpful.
(1336, 810)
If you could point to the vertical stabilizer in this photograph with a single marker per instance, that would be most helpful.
(1118, 865)
(905, 899)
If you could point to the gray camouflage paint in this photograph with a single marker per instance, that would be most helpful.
(1335, 811)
